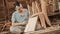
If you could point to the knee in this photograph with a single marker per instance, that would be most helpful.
(14, 30)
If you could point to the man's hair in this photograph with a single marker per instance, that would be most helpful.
(16, 4)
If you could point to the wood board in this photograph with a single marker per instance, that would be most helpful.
(42, 19)
(31, 24)
(33, 7)
(44, 10)
(41, 16)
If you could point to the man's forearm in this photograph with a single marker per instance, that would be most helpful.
(15, 24)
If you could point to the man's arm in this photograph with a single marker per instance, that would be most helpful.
(14, 20)
(23, 23)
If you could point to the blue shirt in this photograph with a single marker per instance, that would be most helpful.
(17, 17)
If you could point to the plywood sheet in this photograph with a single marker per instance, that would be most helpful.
(31, 24)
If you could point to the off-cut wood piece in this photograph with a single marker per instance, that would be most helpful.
(28, 8)
(31, 24)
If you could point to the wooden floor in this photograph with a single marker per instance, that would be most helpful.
(49, 30)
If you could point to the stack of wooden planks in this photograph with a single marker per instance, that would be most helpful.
(41, 13)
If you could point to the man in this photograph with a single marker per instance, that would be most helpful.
(19, 18)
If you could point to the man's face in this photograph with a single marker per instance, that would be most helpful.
(19, 8)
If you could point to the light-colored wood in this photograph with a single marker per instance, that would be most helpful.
(33, 7)
(37, 7)
(29, 9)
(41, 16)
(36, 14)
(42, 19)
(44, 10)
(31, 24)
(47, 20)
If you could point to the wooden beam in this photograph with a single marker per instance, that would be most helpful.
(42, 19)
(36, 14)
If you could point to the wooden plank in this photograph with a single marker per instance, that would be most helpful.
(47, 20)
(37, 7)
(41, 16)
(33, 7)
(44, 10)
(31, 24)
(42, 19)
(36, 14)
(4, 32)
(29, 9)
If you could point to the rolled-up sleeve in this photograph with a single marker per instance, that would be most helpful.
(13, 18)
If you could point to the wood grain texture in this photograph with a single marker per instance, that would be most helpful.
(44, 10)
(42, 19)
(31, 24)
